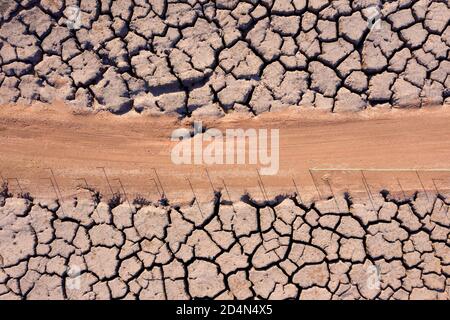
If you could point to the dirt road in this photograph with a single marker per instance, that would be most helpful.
(76, 147)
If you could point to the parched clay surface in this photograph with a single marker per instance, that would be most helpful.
(340, 248)
(199, 57)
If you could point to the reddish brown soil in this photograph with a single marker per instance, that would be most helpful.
(76, 145)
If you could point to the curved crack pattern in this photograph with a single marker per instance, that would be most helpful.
(339, 248)
(200, 57)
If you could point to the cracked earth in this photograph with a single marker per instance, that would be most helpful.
(339, 248)
(199, 57)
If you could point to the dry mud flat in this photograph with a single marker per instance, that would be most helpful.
(216, 57)
(341, 248)
(388, 246)
(34, 140)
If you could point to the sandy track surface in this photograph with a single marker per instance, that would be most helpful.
(76, 146)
